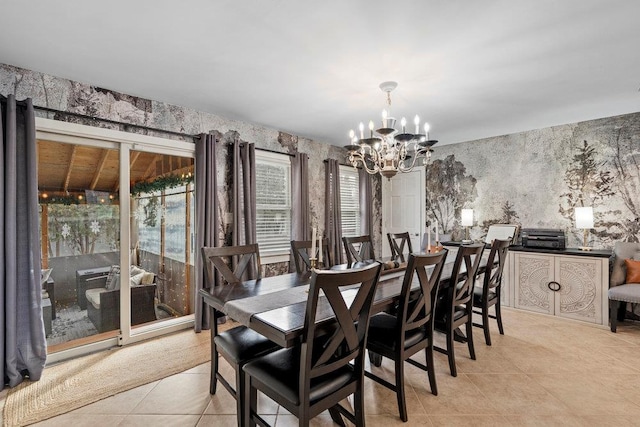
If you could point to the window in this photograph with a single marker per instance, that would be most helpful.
(349, 201)
(273, 202)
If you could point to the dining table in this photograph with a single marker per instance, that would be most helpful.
(275, 306)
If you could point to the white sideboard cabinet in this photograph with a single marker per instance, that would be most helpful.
(566, 283)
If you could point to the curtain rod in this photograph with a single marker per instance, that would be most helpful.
(265, 149)
(84, 116)
(114, 122)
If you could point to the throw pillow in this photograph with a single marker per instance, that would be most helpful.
(135, 280)
(148, 278)
(113, 272)
(44, 275)
(135, 270)
(633, 271)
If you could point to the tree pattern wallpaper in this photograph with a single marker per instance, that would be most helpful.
(75, 97)
(536, 178)
(533, 178)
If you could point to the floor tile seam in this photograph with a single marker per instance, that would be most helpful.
(558, 398)
(479, 391)
(608, 355)
(504, 417)
(143, 397)
(169, 415)
(417, 397)
(495, 356)
(489, 398)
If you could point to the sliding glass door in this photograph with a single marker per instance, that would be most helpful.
(117, 237)
(162, 233)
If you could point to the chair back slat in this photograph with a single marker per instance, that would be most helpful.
(462, 282)
(332, 344)
(301, 249)
(222, 257)
(495, 267)
(416, 309)
(397, 242)
(358, 248)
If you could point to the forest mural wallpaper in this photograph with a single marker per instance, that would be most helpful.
(533, 178)
(164, 120)
(537, 178)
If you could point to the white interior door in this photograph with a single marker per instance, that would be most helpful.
(403, 207)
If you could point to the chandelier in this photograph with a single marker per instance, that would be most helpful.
(389, 150)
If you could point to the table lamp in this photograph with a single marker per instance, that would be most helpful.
(584, 219)
(466, 220)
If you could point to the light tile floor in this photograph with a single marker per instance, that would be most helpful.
(544, 371)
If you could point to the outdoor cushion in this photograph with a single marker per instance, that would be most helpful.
(93, 296)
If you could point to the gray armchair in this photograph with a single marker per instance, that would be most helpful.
(620, 292)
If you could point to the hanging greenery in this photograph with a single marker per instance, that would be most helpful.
(151, 211)
(161, 183)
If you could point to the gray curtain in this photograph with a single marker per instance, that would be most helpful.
(206, 217)
(24, 346)
(300, 229)
(366, 199)
(244, 196)
(332, 213)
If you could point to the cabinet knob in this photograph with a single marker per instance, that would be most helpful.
(554, 286)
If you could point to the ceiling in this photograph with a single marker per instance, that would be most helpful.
(70, 170)
(472, 69)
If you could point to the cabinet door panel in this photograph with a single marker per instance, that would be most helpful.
(533, 272)
(580, 295)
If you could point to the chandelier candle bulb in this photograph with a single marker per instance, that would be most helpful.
(371, 128)
(361, 127)
(384, 118)
(426, 130)
(416, 120)
(403, 122)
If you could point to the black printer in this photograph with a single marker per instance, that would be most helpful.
(550, 238)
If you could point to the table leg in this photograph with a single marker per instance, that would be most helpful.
(375, 359)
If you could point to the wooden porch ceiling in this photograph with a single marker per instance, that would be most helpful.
(66, 168)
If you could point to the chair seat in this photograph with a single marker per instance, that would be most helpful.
(629, 292)
(477, 295)
(242, 344)
(382, 333)
(458, 313)
(280, 371)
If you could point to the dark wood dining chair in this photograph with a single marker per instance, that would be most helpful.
(488, 294)
(328, 365)
(397, 242)
(398, 337)
(358, 248)
(454, 307)
(301, 249)
(240, 344)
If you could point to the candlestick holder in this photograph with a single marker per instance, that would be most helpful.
(313, 262)
(437, 248)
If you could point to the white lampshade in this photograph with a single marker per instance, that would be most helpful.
(466, 218)
(584, 217)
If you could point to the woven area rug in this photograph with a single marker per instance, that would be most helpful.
(79, 382)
